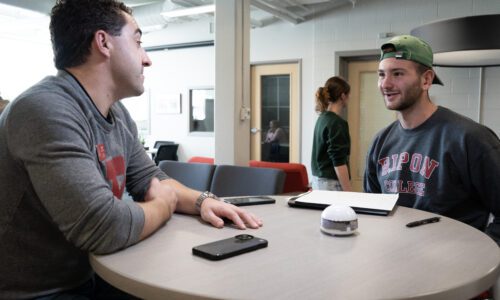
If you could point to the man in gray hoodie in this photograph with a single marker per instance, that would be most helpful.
(68, 152)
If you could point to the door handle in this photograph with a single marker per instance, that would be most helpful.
(254, 130)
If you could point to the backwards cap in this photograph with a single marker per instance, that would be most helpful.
(410, 48)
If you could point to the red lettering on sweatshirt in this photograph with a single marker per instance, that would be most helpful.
(407, 187)
(115, 173)
(428, 167)
(115, 170)
(101, 152)
(416, 163)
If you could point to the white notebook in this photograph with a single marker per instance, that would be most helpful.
(379, 204)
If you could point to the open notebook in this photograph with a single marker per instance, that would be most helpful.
(367, 203)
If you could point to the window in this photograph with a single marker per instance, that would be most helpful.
(201, 109)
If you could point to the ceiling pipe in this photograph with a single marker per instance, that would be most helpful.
(325, 7)
(273, 11)
(148, 16)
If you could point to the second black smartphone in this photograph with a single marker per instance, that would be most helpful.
(250, 200)
(226, 248)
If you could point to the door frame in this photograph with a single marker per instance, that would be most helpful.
(295, 106)
(343, 59)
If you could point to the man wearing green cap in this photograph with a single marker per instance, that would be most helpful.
(436, 159)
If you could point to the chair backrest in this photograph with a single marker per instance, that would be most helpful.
(246, 181)
(296, 179)
(194, 175)
(159, 143)
(201, 159)
(166, 152)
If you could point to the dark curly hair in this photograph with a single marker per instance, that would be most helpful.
(73, 24)
(331, 92)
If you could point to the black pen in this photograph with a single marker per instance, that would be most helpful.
(422, 222)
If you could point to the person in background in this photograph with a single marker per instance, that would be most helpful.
(275, 134)
(331, 141)
(69, 150)
(3, 104)
(271, 148)
(436, 159)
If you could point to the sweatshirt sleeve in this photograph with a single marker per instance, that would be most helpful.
(485, 170)
(50, 137)
(339, 143)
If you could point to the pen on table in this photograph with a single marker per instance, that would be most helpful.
(422, 222)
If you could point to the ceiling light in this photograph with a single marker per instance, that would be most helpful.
(189, 11)
(151, 28)
(472, 41)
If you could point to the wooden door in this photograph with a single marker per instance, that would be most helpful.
(366, 115)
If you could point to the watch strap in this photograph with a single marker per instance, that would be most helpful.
(202, 197)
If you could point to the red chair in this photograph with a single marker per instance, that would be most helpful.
(296, 179)
(201, 159)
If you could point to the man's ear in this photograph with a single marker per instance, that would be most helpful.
(102, 42)
(427, 78)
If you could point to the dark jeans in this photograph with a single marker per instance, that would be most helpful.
(94, 289)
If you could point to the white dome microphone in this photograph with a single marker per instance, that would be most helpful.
(339, 220)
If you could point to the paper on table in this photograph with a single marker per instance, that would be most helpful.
(363, 201)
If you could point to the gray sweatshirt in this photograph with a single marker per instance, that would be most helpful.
(63, 170)
(449, 165)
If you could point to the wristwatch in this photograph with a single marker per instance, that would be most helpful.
(202, 197)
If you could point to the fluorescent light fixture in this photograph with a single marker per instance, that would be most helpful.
(189, 11)
(151, 28)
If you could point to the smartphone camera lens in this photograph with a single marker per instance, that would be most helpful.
(244, 237)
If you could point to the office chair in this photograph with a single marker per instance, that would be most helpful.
(296, 179)
(166, 152)
(246, 181)
(201, 159)
(159, 143)
(194, 175)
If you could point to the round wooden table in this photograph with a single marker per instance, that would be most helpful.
(383, 260)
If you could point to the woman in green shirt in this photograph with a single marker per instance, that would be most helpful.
(331, 142)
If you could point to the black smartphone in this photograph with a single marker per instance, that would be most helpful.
(230, 247)
(250, 200)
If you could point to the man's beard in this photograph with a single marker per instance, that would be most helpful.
(409, 97)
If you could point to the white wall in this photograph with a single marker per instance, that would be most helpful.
(175, 72)
(25, 53)
(22, 64)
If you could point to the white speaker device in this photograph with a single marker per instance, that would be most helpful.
(339, 220)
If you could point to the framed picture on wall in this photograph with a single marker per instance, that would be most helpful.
(168, 103)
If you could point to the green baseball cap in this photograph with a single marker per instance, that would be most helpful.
(410, 48)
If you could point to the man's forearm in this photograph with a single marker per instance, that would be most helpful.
(156, 213)
(186, 196)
